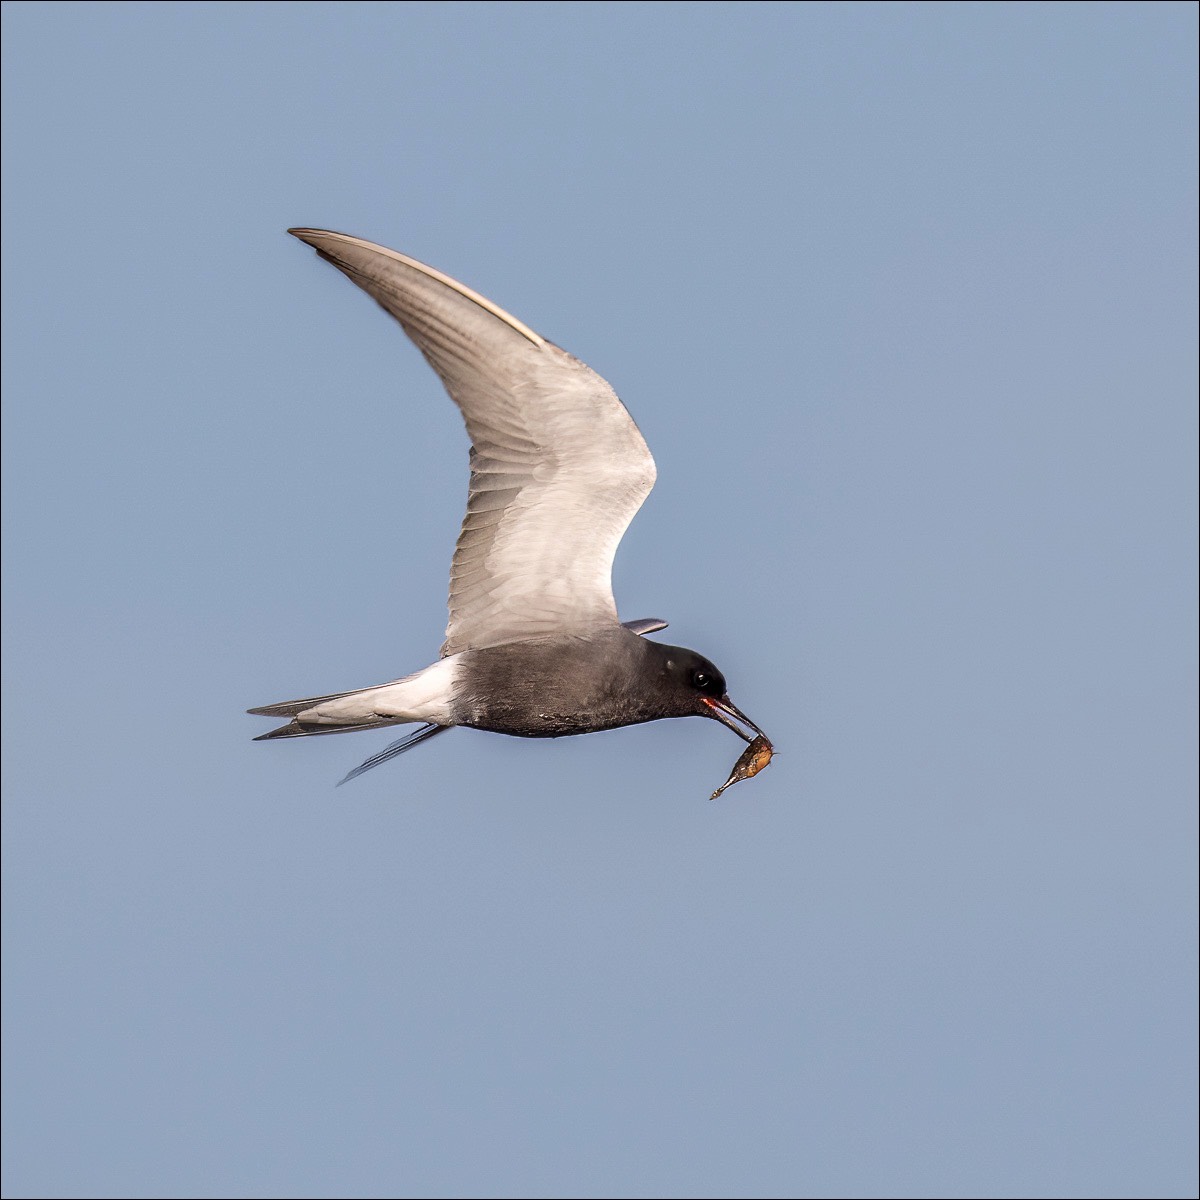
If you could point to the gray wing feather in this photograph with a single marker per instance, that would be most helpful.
(558, 467)
(402, 746)
(642, 627)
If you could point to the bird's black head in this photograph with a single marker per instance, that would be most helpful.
(696, 687)
(695, 672)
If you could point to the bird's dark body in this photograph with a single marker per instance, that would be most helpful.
(555, 687)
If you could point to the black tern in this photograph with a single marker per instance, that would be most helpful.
(558, 469)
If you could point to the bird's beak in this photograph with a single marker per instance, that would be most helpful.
(725, 711)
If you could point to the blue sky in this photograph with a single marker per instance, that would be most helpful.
(904, 300)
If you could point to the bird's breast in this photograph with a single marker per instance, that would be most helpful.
(551, 687)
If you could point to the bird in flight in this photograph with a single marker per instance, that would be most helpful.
(534, 647)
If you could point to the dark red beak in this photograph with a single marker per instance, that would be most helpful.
(728, 713)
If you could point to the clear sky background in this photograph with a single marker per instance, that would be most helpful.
(903, 299)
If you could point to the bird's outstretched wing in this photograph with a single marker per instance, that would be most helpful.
(558, 468)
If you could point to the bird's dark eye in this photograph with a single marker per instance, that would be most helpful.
(707, 682)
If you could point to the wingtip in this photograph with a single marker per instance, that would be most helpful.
(423, 734)
(645, 625)
(310, 237)
(314, 238)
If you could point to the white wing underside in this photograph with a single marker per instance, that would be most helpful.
(558, 467)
